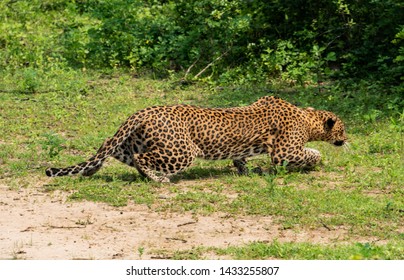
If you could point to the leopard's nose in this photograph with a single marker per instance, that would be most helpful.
(339, 143)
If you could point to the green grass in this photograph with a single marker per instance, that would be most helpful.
(63, 120)
(300, 251)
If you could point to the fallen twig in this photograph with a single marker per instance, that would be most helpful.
(324, 225)
(67, 227)
(176, 239)
(187, 223)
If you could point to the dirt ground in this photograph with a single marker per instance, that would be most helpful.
(38, 225)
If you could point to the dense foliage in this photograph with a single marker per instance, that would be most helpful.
(224, 40)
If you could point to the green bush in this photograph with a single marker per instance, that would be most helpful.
(296, 41)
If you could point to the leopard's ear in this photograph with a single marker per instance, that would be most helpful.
(330, 123)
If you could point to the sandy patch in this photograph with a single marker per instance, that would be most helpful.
(39, 225)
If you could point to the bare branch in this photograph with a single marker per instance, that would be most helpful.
(190, 67)
(210, 64)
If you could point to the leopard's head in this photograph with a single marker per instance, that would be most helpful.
(334, 131)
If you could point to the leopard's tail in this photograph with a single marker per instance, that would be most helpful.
(108, 148)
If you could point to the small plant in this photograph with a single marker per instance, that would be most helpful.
(30, 82)
(140, 251)
(281, 170)
(52, 143)
(372, 115)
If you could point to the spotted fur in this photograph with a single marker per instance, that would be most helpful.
(161, 141)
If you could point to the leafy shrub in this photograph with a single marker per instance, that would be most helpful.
(238, 39)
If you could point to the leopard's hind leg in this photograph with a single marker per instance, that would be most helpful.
(146, 165)
(160, 163)
(127, 151)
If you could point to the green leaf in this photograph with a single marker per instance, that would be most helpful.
(331, 56)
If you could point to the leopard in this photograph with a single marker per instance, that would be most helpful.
(161, 141)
